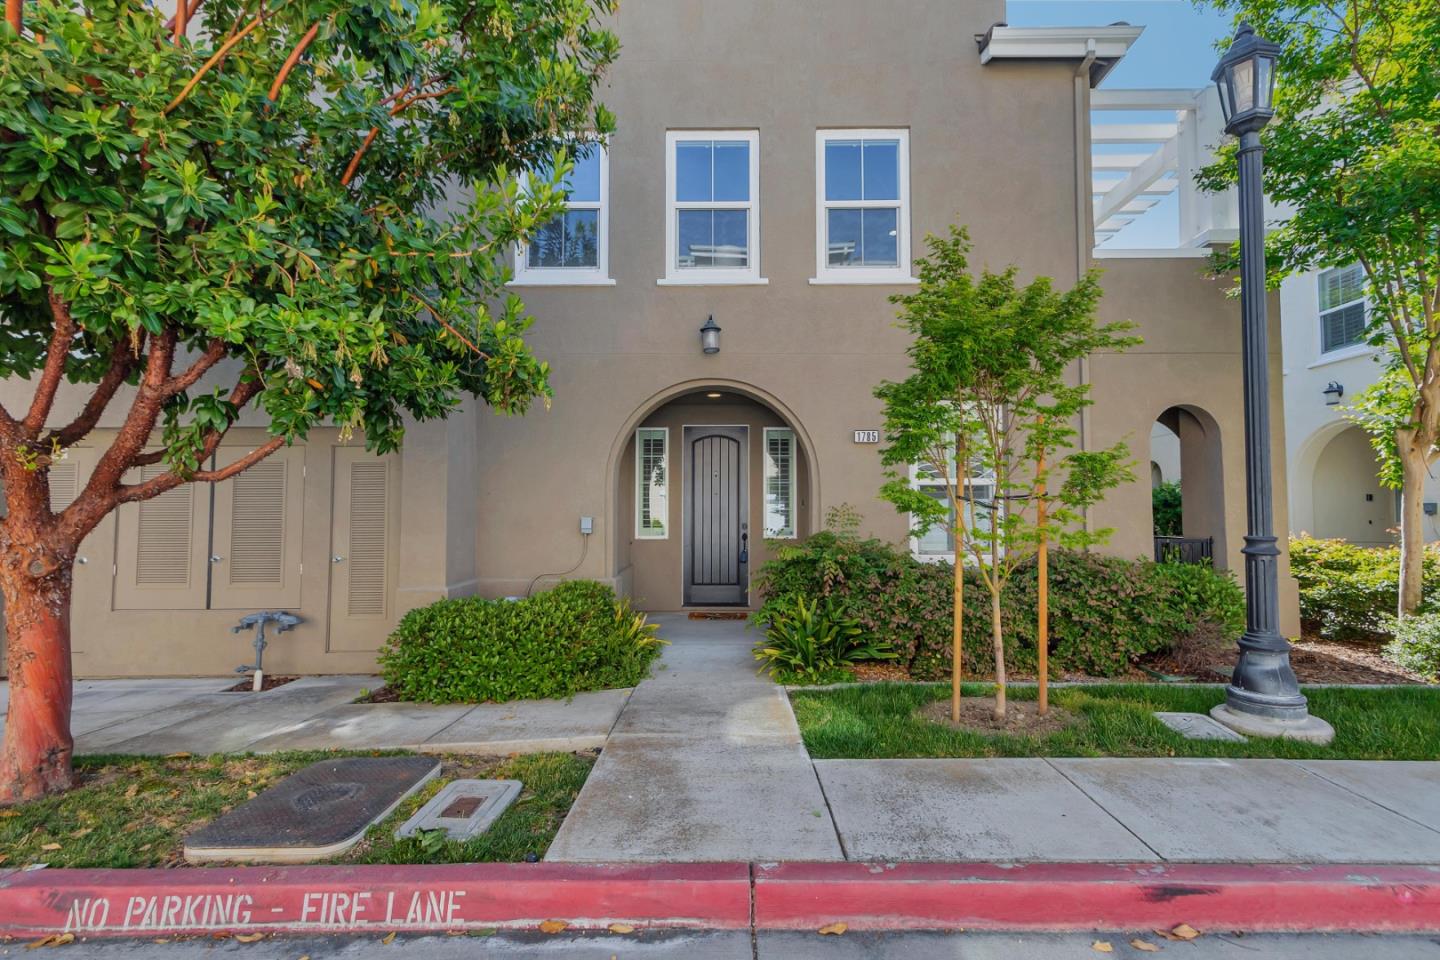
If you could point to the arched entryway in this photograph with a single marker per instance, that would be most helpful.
(1349, 502)
(1185, 447)
(709, 477)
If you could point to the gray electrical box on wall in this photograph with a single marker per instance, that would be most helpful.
(587, 525)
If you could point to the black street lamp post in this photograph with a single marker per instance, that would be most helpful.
(1263, 698)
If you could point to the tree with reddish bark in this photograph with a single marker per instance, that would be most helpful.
(253, 206)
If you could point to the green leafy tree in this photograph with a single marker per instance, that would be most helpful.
(1354, 154)
(254, 195)
(989, 408)
(1167, 509)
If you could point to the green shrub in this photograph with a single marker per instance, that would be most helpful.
(1416, 644)
(1165, 507)
(573, 638)
(812, 643)
(1350, 592)
(1105, 612)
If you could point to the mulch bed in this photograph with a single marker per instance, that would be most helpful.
(269, 683)
(879, 672)
(719, 614)
(1022, 717)
(380, 695)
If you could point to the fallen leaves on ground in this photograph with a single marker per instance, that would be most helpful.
(1181, 931)
(554, 926)
(621, 928)
(1102, 946)
(52, 940)
(389, 938)
(249, 937)
(833, 929)
(1144, 946)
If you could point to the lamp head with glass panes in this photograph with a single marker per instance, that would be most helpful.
(1246, 79)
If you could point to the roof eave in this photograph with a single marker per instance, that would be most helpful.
(1108, 45)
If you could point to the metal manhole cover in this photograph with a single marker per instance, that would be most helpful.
(317, 812)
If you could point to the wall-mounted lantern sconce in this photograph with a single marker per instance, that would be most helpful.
(710, 336)
(1333, 392)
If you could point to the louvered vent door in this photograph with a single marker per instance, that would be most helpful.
(255, 557)
(160, 546)
(362, 542)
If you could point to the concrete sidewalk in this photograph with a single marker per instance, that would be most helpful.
(705, 763)
(197, 716)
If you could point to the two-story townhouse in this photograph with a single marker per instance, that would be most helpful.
(715, 308)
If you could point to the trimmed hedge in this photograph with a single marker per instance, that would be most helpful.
(1349, 592)
(577, 637)
(1105, 612)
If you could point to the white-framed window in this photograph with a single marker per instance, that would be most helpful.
(712, 207)
(938, 543)
(574, 248)
(652, 483)
(862, 206)
(1342, 308)
(780, 502)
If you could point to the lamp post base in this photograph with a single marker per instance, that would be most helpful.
(1307, 728)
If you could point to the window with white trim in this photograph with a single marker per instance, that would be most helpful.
(862, 204)
(652, 483)
(573, 248)
(712, 210)
(1342, 308)
(938, 542)
(780, 483)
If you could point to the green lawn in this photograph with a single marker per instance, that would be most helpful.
(878, 720)
(135, 811)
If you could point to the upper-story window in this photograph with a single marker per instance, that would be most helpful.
(573, 248)
(862, 206)
(1342, 308)
(712, 211)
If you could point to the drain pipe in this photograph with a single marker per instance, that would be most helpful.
(1084, 216)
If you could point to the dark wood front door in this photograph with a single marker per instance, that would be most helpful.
(717, 525)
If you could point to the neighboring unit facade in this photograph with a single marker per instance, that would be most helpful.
(776, 171)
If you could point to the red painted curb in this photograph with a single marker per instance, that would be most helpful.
(1257, 898)
(362, 899)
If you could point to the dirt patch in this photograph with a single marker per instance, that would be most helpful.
(1022, 717)
(879, 672)
(380, 695)
(719, 614)
(269, 683)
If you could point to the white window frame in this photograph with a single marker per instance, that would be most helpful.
(901, 272)
(919, 482)
(704, 276)
(641, 532)
(1354, 347)
(788, 533)
(598, 275)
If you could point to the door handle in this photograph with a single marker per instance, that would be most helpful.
(216, 558)
(337, 559)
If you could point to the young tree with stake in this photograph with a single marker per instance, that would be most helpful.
(254, 190)
(989, 406)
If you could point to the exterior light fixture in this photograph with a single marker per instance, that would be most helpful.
(1263, 698)
(1333, 391)
(713, 395)
(710, 336)
(1246, 78)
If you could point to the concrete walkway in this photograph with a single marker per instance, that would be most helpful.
(197, 716)
(705, 763)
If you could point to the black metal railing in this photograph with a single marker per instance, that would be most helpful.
(1198, 550)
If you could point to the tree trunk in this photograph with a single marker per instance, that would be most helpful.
(958, 624)
(35, 755)
(999, 641)
(1042, 605)
(1412, 528)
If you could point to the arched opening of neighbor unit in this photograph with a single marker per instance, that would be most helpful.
(709, 476)
(1348, 501)
(1186, 459)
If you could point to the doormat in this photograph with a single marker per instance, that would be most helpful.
(318, 812)
(719, 614)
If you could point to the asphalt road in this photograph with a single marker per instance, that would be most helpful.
(771, 946)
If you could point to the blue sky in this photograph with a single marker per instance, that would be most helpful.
(1177, 49)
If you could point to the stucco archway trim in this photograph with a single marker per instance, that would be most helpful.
(673, 392)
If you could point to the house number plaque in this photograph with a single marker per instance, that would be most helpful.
(867, 436)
